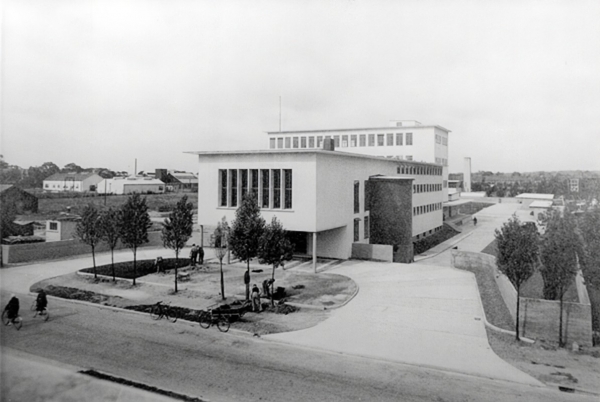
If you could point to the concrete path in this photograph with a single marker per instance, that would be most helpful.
(423, 315)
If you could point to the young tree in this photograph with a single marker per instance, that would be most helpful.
(177, 229)
(135, 223)
(88, 230)
(559, 250)
(275, 248)
(220, 246)
(245, 233)
(110, 232)
(589, 230)
(517, 255)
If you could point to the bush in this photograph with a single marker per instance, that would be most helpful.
(425, 244)
(166, 207)
(23, 239)
(143, 267)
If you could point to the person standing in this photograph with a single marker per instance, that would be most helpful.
(41, 301)
(12, 308)
(474, 221)
(200, 255)
(255, 297)
(193, 254)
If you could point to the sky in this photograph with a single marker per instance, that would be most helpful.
(101, 83)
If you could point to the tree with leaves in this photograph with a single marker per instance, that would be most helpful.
(88, 230)
(517, 257)
(245, 233)
(559, 250)
(135, 222)
(177, 229)
(275, 248)
(220, 247)
(110, 232)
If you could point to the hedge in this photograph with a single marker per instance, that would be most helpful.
(143, 267)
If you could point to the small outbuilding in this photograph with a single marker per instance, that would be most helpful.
(62, 227)
(72, 182)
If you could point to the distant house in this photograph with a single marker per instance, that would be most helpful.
(72, 182)
(178, 180)
(20, 199)
(62, 227)
(129, 185)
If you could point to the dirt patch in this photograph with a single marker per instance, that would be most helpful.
(550, 364)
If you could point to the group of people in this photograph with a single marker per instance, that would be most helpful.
(13, 306)
(267, 286)
(196, 255)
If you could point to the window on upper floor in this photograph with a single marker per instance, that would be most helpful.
(344, 141)
(362, 140)
(371, 140)
(319, 141)
(276, 188)
(409, 138)
(311, 142)
(367, 228)
(380, 139)
(287, 177)
(398, 138)
(302, 142)
(356, 229)
(272, 143)
(288, 142)
(280, 142)
(356, 196)
(295, 142)
(353, 139)
(336, 141)
(390, 140)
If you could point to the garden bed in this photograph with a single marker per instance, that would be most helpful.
(143, 268)
(429, 242)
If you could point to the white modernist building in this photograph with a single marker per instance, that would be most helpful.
(71, 182)
(333, 204)
(401, 139)
(129, 185)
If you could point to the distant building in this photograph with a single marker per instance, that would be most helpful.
(177, 180)
(21, 200)
(130, 185)
(72, 182)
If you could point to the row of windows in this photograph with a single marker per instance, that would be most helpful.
(441, 140)
(343, 141)
(426, 188)
(357, 228)
(441, 161)
(431, 231)
(272, 188)
(424, 209)
(418, 169)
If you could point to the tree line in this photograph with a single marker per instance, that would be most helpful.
(570, 242)
(248, 236)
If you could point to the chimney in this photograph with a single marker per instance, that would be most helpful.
(467, 175)
(328, 144)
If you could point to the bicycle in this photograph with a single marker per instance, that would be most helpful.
(160, 310)
(44, 313)
(208, 318)
(17, 321)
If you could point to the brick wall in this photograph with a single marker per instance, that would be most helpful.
(373, 252)
(18, 253)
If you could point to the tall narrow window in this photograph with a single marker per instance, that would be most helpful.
(353, 140)
(276, 188)
(356, 229)
(311, 142)
(362, 140)
(302, 142)
(287, 203)
(288, 141)
(280, 142)
(380, 138)
(223, 185)
(295, 142)
(265, 188)
(336, 141)
(371, 140)
(233, 191)
(366, 227)
(254, 182)
(344, 141)
(367, 201)
(398, 138)
(272, 143)
(409, 138)
(244, 182)
(356, 196)
(390, 139)
(319, 141)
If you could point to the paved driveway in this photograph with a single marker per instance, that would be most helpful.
(417, 314)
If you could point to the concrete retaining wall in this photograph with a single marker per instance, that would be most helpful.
(374, 252)
(19, 253)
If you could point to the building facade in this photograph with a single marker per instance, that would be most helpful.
(327, 200)
(401, 139)
(130, 185)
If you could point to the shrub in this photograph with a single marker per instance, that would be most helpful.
(144, 267)
(166, 207)
(425, 244)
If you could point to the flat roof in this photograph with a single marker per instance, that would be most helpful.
(536, 196)
(358, 129)
(540, 204)
(308, 151)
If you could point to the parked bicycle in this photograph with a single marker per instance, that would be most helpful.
(209, 317)
(160, 310)
(17, 321)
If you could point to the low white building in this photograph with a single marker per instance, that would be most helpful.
(72, 182)
(129, 185)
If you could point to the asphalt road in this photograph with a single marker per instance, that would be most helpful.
(190, 360)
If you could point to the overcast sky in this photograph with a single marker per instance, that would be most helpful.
(100, 83)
